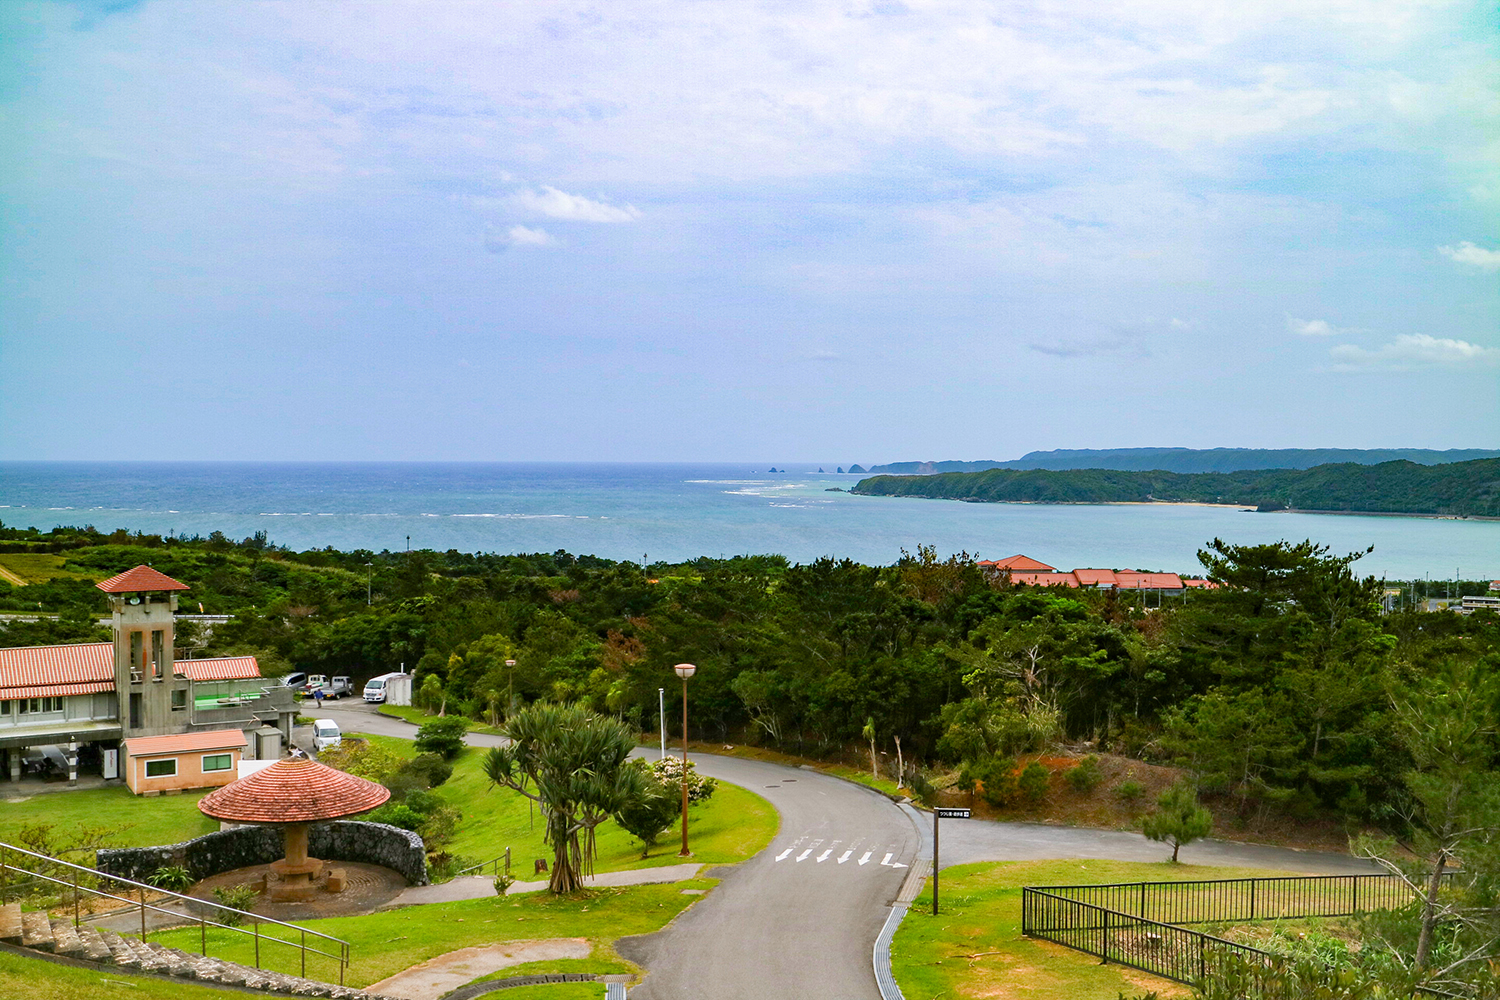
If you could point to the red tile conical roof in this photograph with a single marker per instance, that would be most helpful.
(293, 790)
(138, 580)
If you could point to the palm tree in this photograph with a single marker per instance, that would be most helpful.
(574, 764)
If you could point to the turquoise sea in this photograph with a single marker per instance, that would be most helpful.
(677, 512)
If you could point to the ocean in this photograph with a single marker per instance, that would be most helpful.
(679, 512)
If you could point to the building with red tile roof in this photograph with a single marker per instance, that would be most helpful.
(1097, 579)
(1018, 564)
(131, 688)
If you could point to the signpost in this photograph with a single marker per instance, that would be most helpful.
(940, 813)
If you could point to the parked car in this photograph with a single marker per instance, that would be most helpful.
(375, 688)
(294, 680)
(332, 687)
(326, 734)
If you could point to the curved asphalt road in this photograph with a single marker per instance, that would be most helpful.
(799, 920)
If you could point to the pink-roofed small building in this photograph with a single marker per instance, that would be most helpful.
(56, 700)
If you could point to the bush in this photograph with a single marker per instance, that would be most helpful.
(397, 814)
(431, 767)
(362, 759)
(1034, 780)
(237, 898)
(1130, 792)
(1085, 777)
(444, 737)
(669, 772)
(649, 816)
(173, 878)
(996, 778)
(502, 883)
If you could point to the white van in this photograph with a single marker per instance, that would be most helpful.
(375, 687)
(326, 734)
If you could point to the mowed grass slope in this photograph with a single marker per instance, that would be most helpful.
(385, 943)
(733, 825)
(132, 820)
(974, 948)
(38, 979)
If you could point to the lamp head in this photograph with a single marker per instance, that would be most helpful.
(510, 663)
(685, 670)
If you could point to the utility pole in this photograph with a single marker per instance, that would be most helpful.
(661, 714)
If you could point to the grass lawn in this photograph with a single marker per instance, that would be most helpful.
(974, 947)
(142, 822)
(732, 826)
(385, 943)
(417, 716)
(37, 567)
(37, 979)
(556, 991)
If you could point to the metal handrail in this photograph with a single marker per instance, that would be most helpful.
(342, 957)
(484, 864)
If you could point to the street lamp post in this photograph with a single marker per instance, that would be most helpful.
(510, 687)
(684, 670)
(369, 584)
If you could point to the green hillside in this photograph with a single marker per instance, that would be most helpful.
(1459, 488)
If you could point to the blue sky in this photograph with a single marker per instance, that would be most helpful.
(865, 231)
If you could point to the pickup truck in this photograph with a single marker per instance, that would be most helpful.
(332, 687)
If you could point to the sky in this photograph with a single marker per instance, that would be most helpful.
(862, 230)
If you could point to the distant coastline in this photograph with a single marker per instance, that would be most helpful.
(1400, 488)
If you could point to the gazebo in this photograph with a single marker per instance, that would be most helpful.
(293, 793)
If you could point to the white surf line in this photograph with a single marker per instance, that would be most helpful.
(866, 857)
(845, 856)
(824, 856)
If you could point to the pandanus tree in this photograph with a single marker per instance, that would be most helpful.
(575, 765)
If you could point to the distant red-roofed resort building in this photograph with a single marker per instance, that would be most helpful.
(1026, 571)
(120, 695)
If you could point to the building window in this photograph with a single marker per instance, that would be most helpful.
(135, 711)
(217, 761)
(5, 708)
(161, 768)
(158, 654)
(37, 706)
(137, 656)
(179, 699)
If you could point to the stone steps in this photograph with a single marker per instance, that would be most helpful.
(34, 929)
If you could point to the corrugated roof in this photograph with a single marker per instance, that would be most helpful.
(213, 739)
(41, 666)
(220, 668)
(1197, 584)
(89, 667)
(293, 790)
(138, 580)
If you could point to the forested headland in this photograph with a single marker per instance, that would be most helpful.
(1466, 489)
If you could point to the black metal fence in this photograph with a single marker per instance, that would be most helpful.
(1139, 924)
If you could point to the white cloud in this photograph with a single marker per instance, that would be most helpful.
(551, 202)
(1312, 327)
(1414, 350)
(1468, 253)
(498, 239)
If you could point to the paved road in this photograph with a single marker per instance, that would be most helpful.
(796, 922)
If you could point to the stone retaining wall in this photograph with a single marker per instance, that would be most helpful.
(345, 840)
